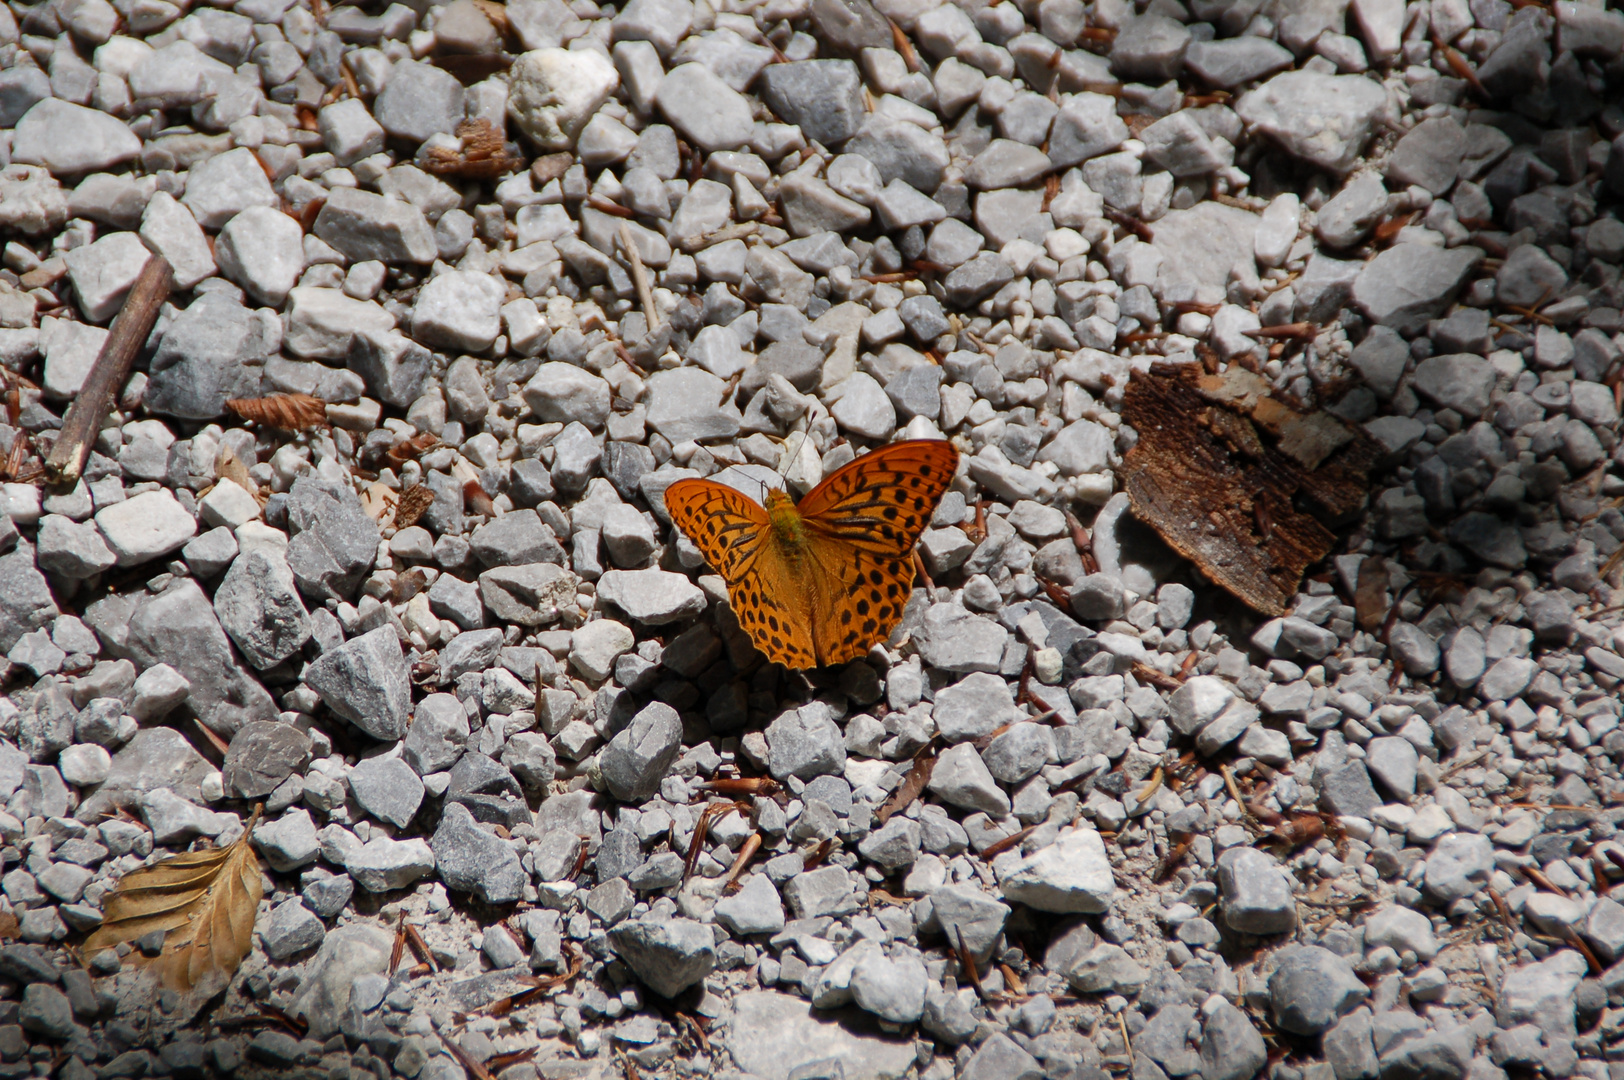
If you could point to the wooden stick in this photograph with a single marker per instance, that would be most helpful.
(645, 294)
(128, 333)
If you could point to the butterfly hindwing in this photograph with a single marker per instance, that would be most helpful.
(770, 601)
(882, 501)
(865, 604)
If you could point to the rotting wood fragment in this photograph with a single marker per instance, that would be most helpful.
(1214, 451)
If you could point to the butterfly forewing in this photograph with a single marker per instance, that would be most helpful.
(881, 502)
(726, 526)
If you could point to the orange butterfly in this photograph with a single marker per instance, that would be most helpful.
(818, 582)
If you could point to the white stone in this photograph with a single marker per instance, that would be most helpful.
(554, 92)
(103, 272)
(69, 356)
(170, 230)
(146, 527)
(228, 504)
(84, 764)
(68, 138)
(459, 310)
(263, 251)
(1071, 875)
(221, 187)
(595, 646)
(321, 322)
(704, 108)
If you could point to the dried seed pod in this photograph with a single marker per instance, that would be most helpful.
(290, 412)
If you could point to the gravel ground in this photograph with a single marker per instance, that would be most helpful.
(538, 262)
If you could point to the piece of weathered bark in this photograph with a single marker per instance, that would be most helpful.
(1237, 482)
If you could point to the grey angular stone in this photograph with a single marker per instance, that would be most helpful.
(258, 605)
(1256, 892)
(1407, 285)
(261, 756)
(178, 627)
(1231, 1047)
(1311, 988)
(348, 953)
(438, 733)
(1459, 865)
(1456, 381)
(1348, 1047)
(1323, 119)
(334, 542)
(636, 759)
(420, 100)
(668, 955)
(824, 97)
(292, 929)
(473, 860)
(901, 151)
(366, 682)
(1347, 790)
(805, 743)
(388, 789)
(215, 350)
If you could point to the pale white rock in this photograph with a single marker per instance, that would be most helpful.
(69, 139)
(553, 92)
(595, 647)
(322, 322)
(170, 230)
(1381, 24)
(1073, 874)
(69, 356)
(146, 527)
(228, 504)
(263, 251)
(221, 187)
(103, 272)
(84, 764)
(459, 310)
(177, 74)
(704, 108)
(1277, 229)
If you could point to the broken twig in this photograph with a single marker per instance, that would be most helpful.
(125, 338)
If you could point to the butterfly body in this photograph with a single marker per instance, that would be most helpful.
(819, 582)
(787, 523)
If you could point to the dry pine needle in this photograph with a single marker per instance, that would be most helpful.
(205, 902)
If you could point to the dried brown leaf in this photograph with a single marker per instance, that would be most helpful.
(912, 784)
(231, 467)
(1370, 596)
(414, 501)
(410, 449)
(204, 901)
(291, 412)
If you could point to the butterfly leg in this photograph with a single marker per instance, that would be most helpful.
(924, 575)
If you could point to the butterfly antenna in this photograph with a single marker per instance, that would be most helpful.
(787, 462)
